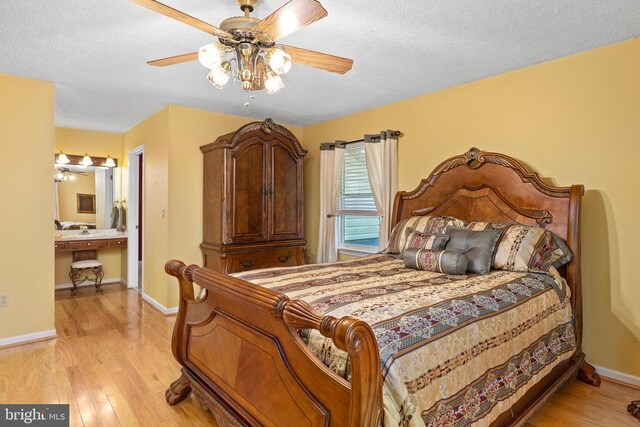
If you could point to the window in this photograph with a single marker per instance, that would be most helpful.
(358, 218)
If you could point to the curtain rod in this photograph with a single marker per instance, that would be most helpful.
(331, 145)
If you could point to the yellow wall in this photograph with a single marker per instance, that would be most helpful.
(80, 141)
(67, 197)
(153, 133)
(98, 144)
(26, 132)
(173, 175)
(576, 120)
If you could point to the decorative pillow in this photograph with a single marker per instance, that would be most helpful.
(418, 240)
(477, 245)
(424, 224)
(526, 248)
(447, 262)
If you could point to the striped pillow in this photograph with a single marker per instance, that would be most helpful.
(525, 247)
(440, 261)
(424, 224)
(418, 240)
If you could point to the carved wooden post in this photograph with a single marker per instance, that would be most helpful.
(180, 388)
(357, 339)
(184, 275)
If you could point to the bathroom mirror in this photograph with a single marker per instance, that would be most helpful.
(73, 183)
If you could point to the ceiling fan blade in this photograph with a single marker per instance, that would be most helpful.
(324, 61)
(178, 59)
(289, 18)
(183, 17)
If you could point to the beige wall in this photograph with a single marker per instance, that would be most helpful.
(67, 197)
(98, 144)
(26, 255)
(575, 120)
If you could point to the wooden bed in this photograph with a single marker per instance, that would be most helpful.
(245, 363)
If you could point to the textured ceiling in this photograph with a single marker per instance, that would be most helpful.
(95, 52)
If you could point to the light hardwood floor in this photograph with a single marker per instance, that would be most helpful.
(112, 363)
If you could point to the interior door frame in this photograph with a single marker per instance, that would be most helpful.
(132, 218)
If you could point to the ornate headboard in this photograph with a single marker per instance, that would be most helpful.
(489, 186)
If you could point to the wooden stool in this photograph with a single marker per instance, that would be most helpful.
(85, 268)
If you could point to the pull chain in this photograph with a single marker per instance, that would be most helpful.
(248, 99)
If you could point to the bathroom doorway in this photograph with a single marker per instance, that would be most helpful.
(135, 255)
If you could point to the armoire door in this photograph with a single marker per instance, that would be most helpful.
(248, 193)
(285, 190)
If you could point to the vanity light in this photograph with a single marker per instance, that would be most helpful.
(62, 159)
(109, 162)
(86, 160)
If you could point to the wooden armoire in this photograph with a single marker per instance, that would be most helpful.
(253, 203)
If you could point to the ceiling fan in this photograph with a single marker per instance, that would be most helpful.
(252, 44)
(63, 174)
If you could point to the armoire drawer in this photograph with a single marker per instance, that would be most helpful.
(251, 260)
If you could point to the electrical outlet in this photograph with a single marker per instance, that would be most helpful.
(4, 300)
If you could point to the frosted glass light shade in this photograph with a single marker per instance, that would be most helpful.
(211, 55)
(86, 160)
(219, 75)
(273, 82)
(62, 159)
(278, 60)
(109, 162)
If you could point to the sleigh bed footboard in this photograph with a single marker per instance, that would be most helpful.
(246, 364)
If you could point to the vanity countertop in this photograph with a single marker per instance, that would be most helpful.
(66, 235)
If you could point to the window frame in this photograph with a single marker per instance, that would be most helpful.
(350, 248)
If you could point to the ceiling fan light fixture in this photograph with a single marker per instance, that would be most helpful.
(86, 160)
(62, 159)
(273, 82)
(219, 75)
(109, 162)
(278, 60)
(211, 55)
(252, 43)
